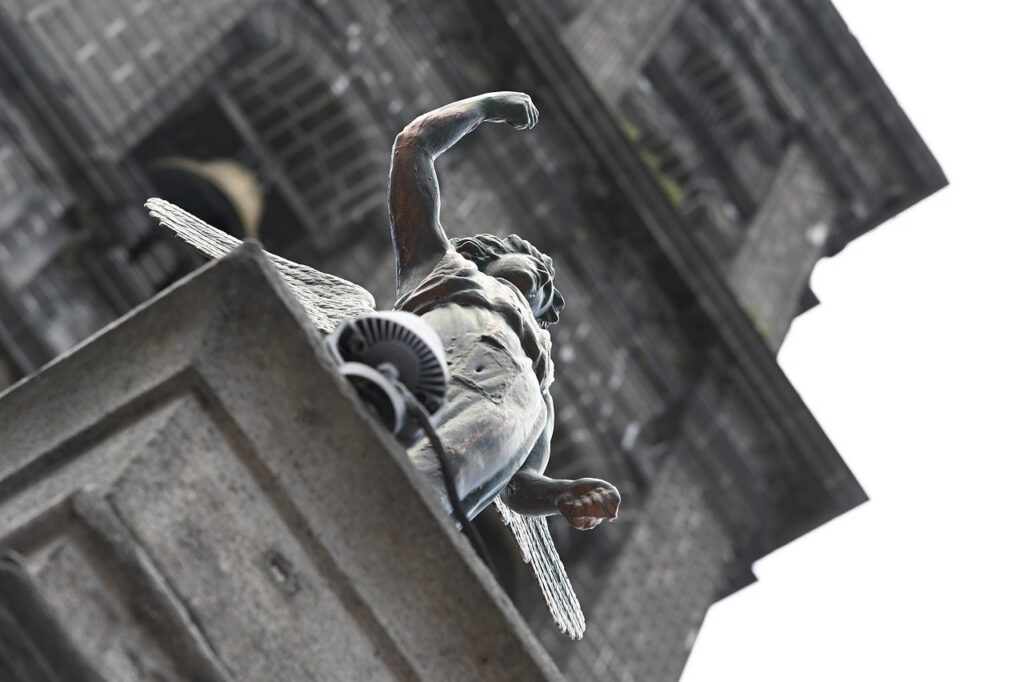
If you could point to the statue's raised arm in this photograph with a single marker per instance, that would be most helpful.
(414, 199)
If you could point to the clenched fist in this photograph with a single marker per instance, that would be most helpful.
(513, 108)
(586, 502)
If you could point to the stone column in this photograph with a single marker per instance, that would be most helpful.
(672, 569)
(785, 240)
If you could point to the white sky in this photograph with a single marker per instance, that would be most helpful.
(912, 363)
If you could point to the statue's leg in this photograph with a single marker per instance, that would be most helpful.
(493, 417)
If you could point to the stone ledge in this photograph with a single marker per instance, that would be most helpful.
(196, 493)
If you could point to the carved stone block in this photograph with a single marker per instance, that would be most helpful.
(196, 494)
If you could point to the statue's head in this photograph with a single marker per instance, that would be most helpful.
(516, 260)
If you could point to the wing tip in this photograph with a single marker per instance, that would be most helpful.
(157, 205)
(165, 212)
(548, 569)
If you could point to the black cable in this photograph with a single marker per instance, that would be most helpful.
(423, 419)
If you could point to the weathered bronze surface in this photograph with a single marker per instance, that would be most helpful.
(491, 300)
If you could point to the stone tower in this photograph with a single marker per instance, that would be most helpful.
(694, 160)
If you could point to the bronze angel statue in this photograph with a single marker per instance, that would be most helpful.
(490, 300)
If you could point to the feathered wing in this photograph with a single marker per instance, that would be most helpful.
(538, 549)
(327, 299)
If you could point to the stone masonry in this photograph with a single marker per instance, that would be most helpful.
(196, 494)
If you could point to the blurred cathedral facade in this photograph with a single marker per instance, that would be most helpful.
(694, 160)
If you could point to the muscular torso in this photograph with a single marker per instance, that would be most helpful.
(485, 305)
(499, 360)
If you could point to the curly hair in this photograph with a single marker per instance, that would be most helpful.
(484, 248)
